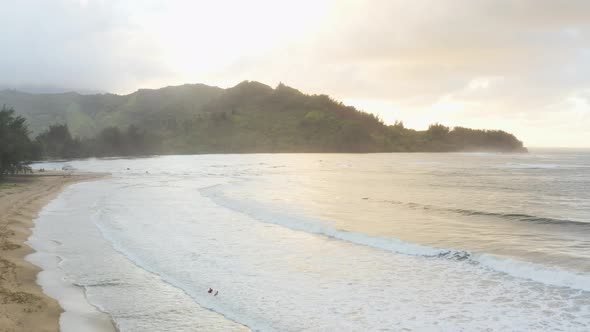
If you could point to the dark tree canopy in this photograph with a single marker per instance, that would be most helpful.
(16, 148)
(57, 142)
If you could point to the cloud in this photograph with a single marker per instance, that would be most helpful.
(506, 64)
(78, 44)
(521, 65)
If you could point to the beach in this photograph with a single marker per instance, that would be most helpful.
(24, 306)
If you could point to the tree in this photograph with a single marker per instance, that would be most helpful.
(111, 142)
(57, 142)
(16, 149)
(437, 132)
(136, 141)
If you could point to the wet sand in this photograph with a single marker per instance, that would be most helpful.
(23, 305)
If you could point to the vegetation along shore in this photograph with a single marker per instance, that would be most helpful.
(249, 117)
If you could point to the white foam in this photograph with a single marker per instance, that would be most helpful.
(519, 269)
(78, 315)
(273, 278)
(316, 226)
(93, 277)
(535, 272)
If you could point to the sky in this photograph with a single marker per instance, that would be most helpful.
(518, 65)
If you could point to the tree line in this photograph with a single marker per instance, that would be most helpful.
(18, 149)
(57, 143)
(250, 118)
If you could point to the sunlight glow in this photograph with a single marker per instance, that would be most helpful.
(204, 37)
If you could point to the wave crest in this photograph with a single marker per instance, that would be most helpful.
(523, 217)
(515, 268)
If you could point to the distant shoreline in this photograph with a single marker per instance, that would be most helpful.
(243, 153)
(25, 307)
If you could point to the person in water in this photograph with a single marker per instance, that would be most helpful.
(216, 292)
(210, 290)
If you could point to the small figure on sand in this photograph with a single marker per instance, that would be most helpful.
(210, 290)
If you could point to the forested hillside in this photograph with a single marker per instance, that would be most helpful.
(87, 115)
(250, 117)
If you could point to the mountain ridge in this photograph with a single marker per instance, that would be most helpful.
(248, 117)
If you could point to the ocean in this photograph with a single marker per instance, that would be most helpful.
(326, 242)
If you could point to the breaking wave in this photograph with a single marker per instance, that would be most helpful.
(519, 269)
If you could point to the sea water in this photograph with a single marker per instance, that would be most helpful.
(328, 242)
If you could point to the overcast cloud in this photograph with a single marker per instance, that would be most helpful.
(523, 66)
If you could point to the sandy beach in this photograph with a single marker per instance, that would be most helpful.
(24, 306)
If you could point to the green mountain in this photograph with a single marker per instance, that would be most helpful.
(86, 115)
(250, 117)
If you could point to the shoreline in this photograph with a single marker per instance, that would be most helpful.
(29, 302)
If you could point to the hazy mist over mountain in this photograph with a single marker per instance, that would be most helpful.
(46, 89)
(249, 117)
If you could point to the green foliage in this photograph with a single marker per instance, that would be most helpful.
(439, 138)
(16, 149)
(57, 142)
(115, 142)
(87, 115)
(250, 117)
